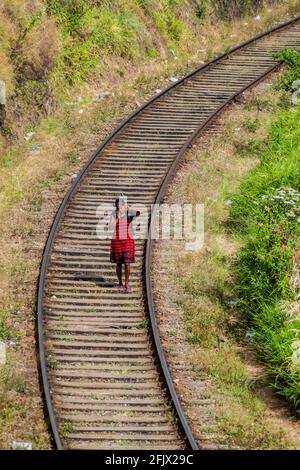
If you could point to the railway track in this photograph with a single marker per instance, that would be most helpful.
(105, 376)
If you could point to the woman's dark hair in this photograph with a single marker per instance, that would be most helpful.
(119, 202)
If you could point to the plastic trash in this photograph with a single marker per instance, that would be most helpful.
(231, 302)
(17, 445)
(173, 55)
(249, 337)
(2, 93)
(2, 353)
(29, 135)
(102, 95)
(34, 148)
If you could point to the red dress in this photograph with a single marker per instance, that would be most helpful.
(122, 246)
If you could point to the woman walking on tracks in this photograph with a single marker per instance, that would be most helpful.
(122, 246)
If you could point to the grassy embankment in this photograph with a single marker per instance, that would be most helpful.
(239, 295)
(266, 214)
(55, 58)
(50, 49)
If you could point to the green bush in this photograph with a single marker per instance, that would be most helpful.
(114, 33)
(91, 34)
(69, 13)
(75, 60)
(169, 25)
(292, 60)
(203, 9)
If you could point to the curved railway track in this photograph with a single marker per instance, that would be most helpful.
(105, 377)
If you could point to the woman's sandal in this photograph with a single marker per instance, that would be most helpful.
(120, 288)
(128, 289)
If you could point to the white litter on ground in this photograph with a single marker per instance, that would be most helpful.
(228, 202)
(2, 353)
(16, 445)
(29, 135)
(102, 95)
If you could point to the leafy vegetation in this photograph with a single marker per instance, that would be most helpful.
(291, 58)
(266, 213)
(219, 344)
(48, 47)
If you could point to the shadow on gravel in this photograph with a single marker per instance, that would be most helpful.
(99, 280)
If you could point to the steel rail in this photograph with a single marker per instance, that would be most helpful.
(149, 243)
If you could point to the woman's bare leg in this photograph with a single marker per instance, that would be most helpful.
(119, 273)
(127, 274)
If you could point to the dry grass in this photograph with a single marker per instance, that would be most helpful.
(37, 68)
